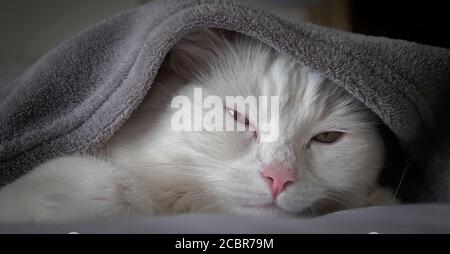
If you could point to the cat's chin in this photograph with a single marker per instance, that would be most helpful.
(264, 210)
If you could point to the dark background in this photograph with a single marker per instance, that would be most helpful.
(426, 22)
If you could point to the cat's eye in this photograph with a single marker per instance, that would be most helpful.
(238, 116)
(328, 137)
(243, 119)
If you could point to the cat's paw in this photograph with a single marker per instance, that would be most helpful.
(70, 188)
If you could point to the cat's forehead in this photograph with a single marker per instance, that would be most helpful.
(247, 68)
(296, 87)
(260, 72)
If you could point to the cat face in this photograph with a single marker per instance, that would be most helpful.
(327, 150)
(326, 154)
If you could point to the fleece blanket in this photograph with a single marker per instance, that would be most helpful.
(78, 94)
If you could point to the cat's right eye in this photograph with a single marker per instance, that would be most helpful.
(243, 119)
(238, 116)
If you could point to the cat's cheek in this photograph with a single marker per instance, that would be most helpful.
(328, 165)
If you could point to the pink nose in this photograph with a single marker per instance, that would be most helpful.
(278, 177)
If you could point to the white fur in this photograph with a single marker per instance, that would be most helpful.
(147, 168)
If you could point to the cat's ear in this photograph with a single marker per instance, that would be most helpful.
(195, 54)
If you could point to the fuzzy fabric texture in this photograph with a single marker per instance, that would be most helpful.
(405, 219)
(79, 93)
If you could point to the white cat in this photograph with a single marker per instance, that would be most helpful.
(327, 156)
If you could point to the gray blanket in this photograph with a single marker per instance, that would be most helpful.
(80, 93)
(407, 219)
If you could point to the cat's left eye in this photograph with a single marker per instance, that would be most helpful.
(328, 137)
(238, 116)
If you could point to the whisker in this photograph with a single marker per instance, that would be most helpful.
(346, 205)
(408, 163)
